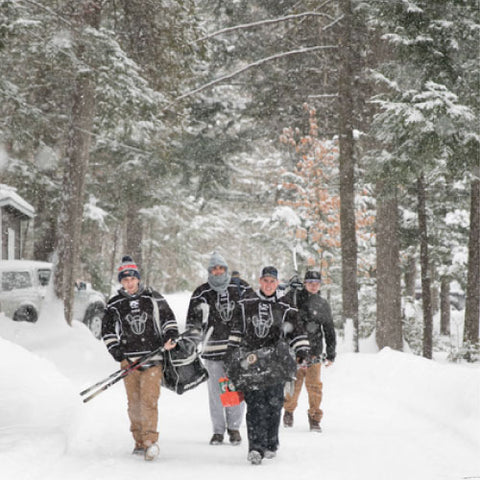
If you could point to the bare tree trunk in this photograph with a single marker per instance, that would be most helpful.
(347, 174)
(445, 306)
(472, 306)
(425, 271)
(134, 233)
(44, 241)
(87, 13)
(410, 275)
(434, 289)
(389, 314)
(148, 257)
(113, 258)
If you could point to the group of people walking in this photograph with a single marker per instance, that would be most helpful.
(245, 328)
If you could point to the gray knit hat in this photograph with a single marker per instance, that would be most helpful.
(216, 259)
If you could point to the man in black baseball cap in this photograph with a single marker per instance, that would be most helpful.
(268, 283)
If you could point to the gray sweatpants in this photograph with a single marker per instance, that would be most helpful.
(222, 417)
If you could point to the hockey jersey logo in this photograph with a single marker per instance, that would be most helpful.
(225, 307)
(263, 321)
(137, 322)
(134, 305)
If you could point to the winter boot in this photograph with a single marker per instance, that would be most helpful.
(234, 437)
(152, 452)
(217, 439)
(254, 457)
(138, 450)
(288, 419)
(270, 454)
(314, 424)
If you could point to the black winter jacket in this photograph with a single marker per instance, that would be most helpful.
(129, 327)
(209, 308)
(262, 323)
(316, 315)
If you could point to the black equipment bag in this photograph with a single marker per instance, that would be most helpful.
(250, 370)
(182, 367)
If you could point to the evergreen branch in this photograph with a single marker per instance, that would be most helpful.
(247, 67)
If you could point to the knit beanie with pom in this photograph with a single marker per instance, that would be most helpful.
(127, 268)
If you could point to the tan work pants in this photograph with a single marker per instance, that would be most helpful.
(311, 377)
(143, 390)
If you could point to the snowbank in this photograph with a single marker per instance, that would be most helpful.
(38, 410)
(35, 395)
(73, 349)
(445, 395)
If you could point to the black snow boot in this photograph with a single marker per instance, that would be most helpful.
(217, 439)
(288, 419)
(234, 437)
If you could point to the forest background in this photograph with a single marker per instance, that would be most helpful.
(337, 135)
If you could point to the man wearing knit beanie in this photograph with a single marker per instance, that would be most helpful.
(128, 268)
(213, 305)
(130, 330)
(218, 274)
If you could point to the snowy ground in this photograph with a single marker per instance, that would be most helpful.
(388, 415)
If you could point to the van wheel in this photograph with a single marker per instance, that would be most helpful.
(25, 314)
(93, 320)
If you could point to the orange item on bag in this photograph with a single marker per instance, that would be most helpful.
(229, 395)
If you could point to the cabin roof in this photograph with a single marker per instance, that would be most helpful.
(10, 197)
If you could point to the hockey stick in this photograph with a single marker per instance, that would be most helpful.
(122, 373)
(118, 375)
(206, 338)
(294, 282)
(101, 382)
(295, 265)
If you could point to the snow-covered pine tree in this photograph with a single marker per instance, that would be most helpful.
(424, 124)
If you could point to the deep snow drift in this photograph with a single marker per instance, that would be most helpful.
(388, 415)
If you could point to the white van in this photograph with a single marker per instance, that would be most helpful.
(23, 286)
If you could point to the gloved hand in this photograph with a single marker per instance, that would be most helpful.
(302, 357)
(117, 353)
(312, 359)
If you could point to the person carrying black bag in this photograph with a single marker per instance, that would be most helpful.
(139, 321)
(316, 314)
(258, 351)
(212, 308)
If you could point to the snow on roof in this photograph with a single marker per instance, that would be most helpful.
(10, 197)
(16, 265)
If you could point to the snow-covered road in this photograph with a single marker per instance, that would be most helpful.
(388, 416)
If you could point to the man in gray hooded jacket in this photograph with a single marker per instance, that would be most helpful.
(213, 304)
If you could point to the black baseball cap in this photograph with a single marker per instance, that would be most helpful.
(269, 272)
(312, 276)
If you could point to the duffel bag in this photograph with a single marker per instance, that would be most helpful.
(252, 369)
(183, 369)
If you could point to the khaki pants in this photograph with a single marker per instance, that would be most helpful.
(143, 390)
(311, 376)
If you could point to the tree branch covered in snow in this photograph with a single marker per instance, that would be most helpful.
(247, 67)
(262, 23)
